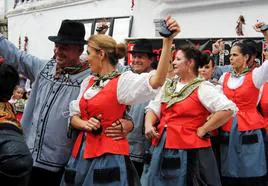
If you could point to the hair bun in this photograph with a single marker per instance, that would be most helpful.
(120, 50)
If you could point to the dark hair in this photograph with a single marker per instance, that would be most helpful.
(209, 58)
(9, 78)
(252, 45)
(154, 64)
(247, 47)
(199, 58)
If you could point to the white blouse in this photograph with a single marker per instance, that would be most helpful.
(132, 89)
(209, 95)
(259, 77)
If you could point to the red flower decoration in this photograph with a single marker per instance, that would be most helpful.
(132, 4)
(25, 44)
(19, 42)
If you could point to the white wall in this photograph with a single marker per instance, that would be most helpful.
(2, 9)
(210, 18)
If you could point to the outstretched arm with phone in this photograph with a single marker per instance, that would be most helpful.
(263, 28)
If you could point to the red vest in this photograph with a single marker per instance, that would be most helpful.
(245, 97)
(181, 121)
(264, 102)
(105, 103)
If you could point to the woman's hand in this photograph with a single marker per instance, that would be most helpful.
(218, 47)
(151, 132)
(257, 26)
(214, 121)
(201, 132)
(92, 124)
(173, 26)
(158, 79)
(119, 129)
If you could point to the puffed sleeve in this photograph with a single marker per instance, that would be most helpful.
(260, 74)
(135, 88)
(74, 105)
(222, 78)
(155, 104)
(213, 99)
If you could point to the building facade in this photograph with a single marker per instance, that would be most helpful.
(35, 20)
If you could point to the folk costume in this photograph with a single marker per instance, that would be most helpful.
(137, 140)
(179, 156)
(45, 118)
(242, 145)
(97, 159)
(18, 106)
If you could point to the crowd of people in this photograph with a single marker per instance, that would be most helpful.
(96, 122)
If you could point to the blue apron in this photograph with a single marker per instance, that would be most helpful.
(106, 170)
(242, 153)
(174, 167)
(154, 173)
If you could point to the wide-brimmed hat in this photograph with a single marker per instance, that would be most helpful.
(70, 32)
(143, 46)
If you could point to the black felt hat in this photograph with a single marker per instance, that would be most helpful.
(70, 32)
(143, 46)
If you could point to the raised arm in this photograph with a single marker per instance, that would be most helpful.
(29, 65)
(158, 79)
(257, 28)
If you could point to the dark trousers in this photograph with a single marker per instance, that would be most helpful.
(202, 168)
(138, 167)
(14, 181)
(44, 177)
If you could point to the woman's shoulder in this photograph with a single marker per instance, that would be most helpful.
(210, 86)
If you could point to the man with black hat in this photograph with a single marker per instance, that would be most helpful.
(141, 60)
(56, 83)
(142, 56)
